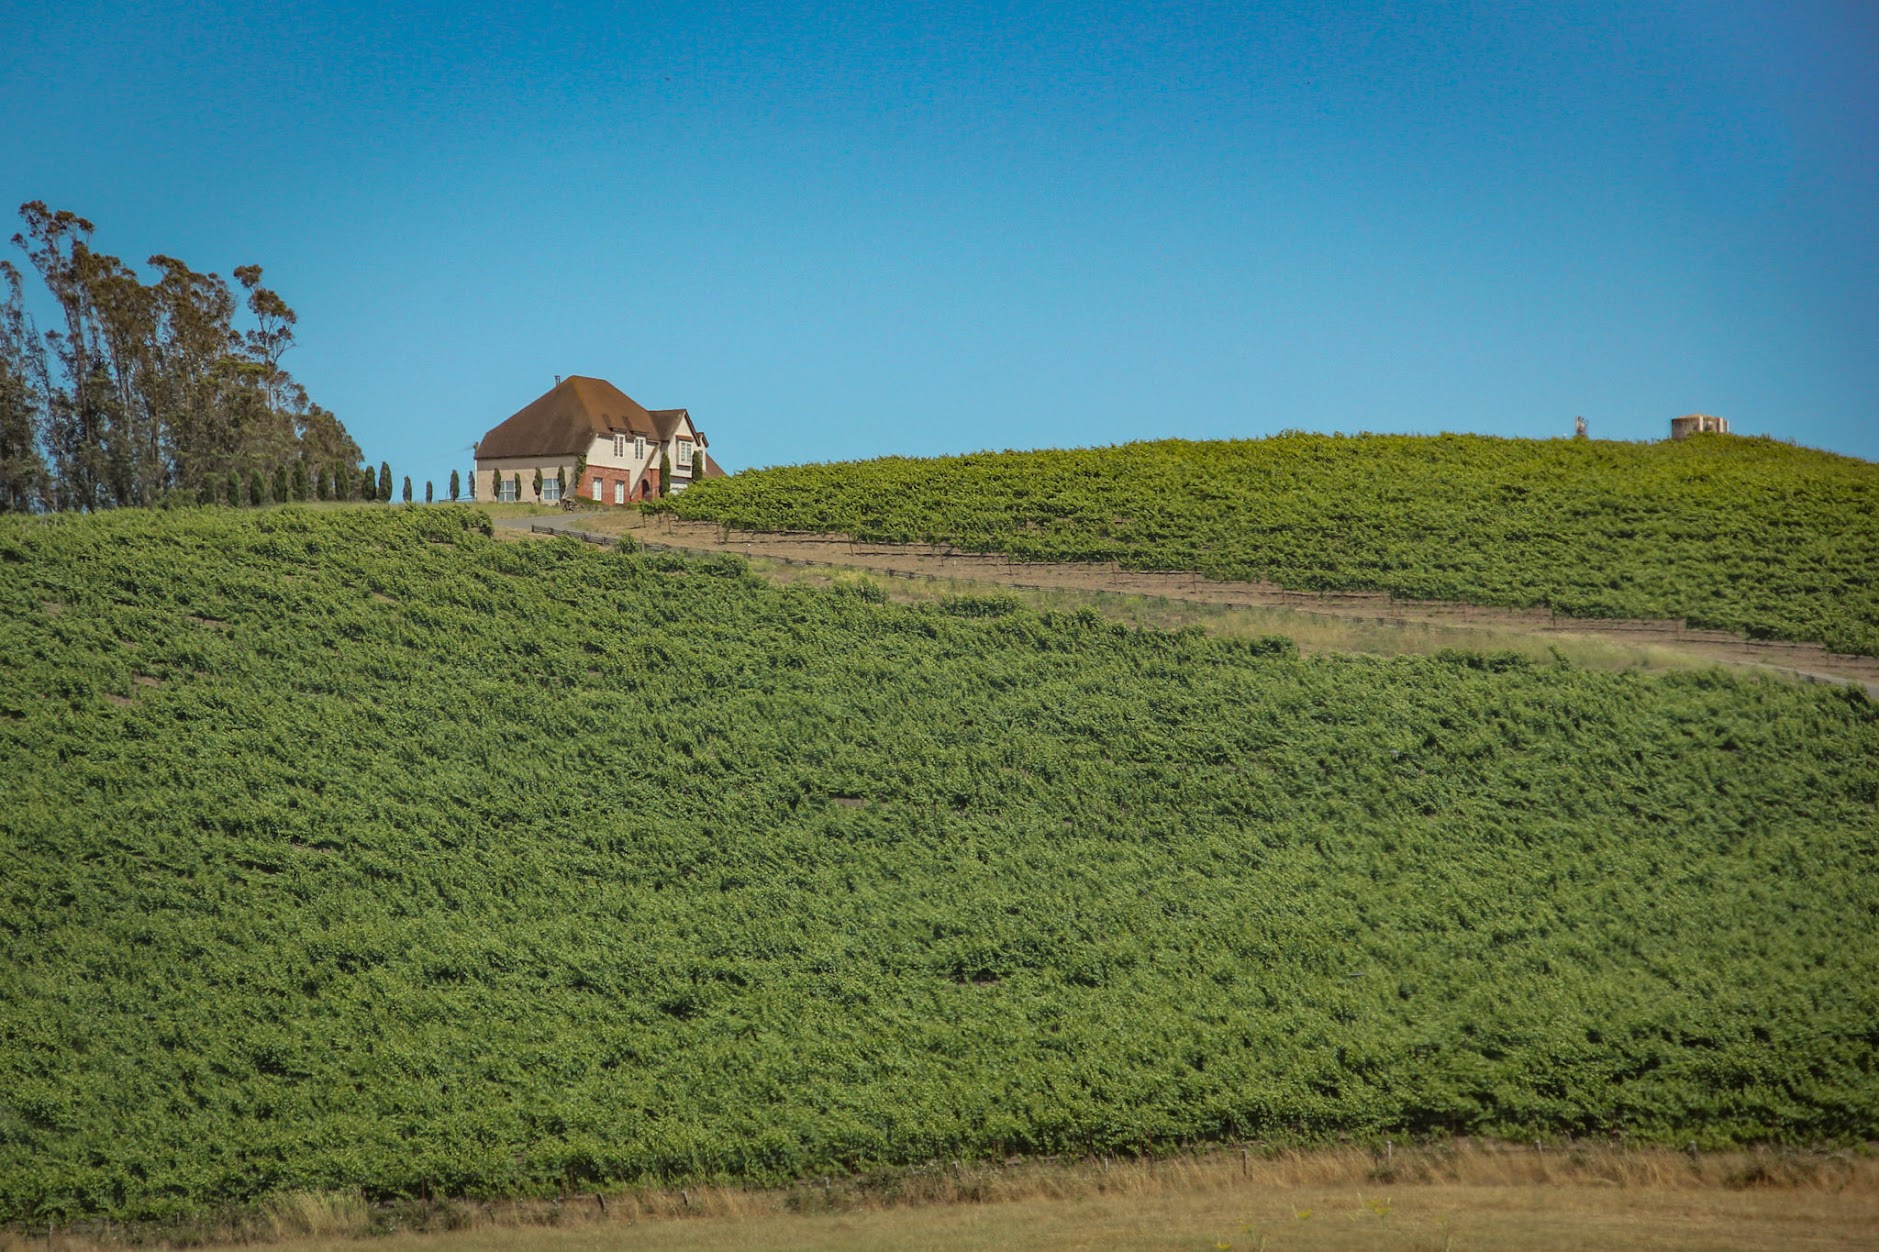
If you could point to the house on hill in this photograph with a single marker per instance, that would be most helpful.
(624, 442)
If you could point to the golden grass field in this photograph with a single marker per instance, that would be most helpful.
(1442, 1197)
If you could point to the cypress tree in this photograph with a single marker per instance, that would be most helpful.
(538, 485)
(665, 474)
(384, 481)
(322, 484)
(234, 488)
(280, 484)
(256, 492)
(206, 495)
(407, 488)
(427, 491)
(456, 485)
(300, 481)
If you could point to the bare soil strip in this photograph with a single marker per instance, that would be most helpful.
(1448, 619)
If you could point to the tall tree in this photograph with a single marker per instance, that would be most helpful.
(147, 386)
(55, 242)
(456, 486)
(272, 335)
(384, 481)
(22, 401)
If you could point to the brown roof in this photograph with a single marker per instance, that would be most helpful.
(564, 420)
(665, 421)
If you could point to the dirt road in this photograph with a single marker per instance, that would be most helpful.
(1350, 621)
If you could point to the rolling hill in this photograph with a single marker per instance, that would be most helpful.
(1747, 535)
(354, 848)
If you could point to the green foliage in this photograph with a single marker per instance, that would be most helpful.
(280, 484)
(352, 848)
(256, 492)
(233, 494)
(1734, 534)
(407, 489)
(456, 486)
(384, 481)
(300, 481)
(148, 385)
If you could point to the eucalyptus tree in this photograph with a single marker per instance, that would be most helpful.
(22, 401)
(142, 386)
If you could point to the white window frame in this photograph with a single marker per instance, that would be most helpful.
(597, 486)
(619, 491)
(685, 454)
(551, 490)
(639, 447)
(505, 489)
(619, 447)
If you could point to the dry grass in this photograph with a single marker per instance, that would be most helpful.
(1312, 631)
(1441, 1196)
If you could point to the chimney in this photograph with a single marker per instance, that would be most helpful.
(557, 380)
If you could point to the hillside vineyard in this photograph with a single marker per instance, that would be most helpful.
(1737, 534)
(353, 848)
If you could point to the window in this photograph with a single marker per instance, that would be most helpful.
(639, 447)
(685, 454)
(616, 439)
(619, 449)
(619, 491)
(551, 490)
(505, 491)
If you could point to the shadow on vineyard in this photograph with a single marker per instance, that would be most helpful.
(352, 850)
(1747, 535)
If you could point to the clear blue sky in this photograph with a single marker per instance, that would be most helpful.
(841, 231)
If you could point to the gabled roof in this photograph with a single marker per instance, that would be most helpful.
(665, 421)
(564, 420)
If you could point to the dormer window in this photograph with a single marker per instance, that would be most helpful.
(685, 454)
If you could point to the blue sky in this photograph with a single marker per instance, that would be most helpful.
(844, 231)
